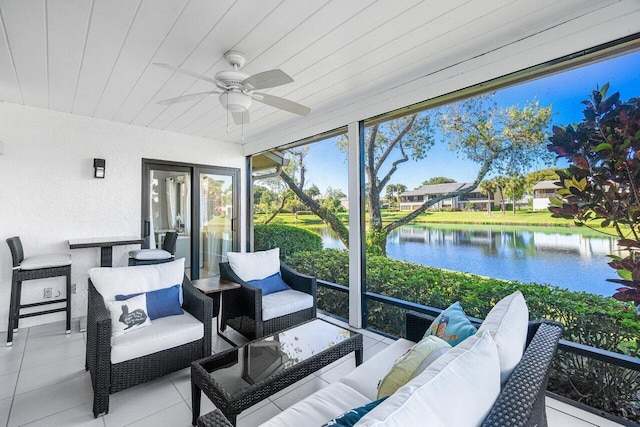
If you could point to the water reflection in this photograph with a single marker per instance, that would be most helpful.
(538, 255)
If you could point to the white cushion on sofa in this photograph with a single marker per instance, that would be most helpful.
(284, 302)
(111, 281)
(458, 389)
(255, 265)
(508, 321)
(161, 334)
(319, 408)
(365, 378)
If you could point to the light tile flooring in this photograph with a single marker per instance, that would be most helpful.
(43, 383)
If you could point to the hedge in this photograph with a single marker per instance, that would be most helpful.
(289, 239)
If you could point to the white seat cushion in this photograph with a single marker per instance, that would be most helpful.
(284, 302)
(149, 254)
(458, 389)
(319, 408)
(161, 334)
(111, 281)
(508, 321)
(45, 261)
(255, 265)
(366, 377)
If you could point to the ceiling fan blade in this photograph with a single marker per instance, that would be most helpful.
(188, 73)
(186, 98)
(266, 80)
(241, 117)
(281, 103)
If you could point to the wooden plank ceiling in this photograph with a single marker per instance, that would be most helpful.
(95, 57)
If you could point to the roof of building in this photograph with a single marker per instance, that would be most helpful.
(440, 189)
(546, 185)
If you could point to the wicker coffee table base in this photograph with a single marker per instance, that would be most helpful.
(232, 404)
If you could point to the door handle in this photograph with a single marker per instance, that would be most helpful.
(147, 228)
(233, 224)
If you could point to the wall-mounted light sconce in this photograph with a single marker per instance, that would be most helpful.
(98, 166)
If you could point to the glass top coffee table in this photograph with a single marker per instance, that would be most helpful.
(238, 378)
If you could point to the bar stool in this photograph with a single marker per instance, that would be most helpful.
(35, 267)
(156, 256)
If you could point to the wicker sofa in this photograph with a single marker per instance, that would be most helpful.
(521, 401)
(167, 345)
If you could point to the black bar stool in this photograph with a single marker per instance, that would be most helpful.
(156, 256)
(35, 267)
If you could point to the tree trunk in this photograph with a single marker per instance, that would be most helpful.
(326, 215)
(277, 211)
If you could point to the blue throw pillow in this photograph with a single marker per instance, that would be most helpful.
(271, 284)
(161, 303)
(452, 325)
(352, 416)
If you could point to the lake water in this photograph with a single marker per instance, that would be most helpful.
(538, 254)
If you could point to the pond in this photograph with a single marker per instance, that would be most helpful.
(528, 254)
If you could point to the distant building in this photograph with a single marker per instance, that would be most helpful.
(413, 199)
(542, 192)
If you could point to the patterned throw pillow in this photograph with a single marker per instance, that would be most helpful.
(128, 315)
(160, 303)
(405, 368)
(352, 416)
(452, 325)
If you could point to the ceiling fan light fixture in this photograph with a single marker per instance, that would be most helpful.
(234, 101)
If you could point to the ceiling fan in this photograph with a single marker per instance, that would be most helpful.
(237, 90)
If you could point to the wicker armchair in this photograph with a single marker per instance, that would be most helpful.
(242, 307)
(108, 378)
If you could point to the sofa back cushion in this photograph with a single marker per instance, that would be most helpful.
(507, 322)
(458, 389)
(255, 265)
(111, 281)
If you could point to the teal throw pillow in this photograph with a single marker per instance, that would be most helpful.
(452, 325)
(352, 416)
(271, 284)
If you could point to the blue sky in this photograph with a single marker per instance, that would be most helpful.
(327, 167)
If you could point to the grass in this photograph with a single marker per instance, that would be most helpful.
(522, 217)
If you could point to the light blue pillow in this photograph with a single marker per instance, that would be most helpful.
(452, 325)
(270, 285)
(160, 303)
(352, 416)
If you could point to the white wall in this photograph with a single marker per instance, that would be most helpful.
(48, 194)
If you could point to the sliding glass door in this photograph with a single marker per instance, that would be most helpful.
(200, 202)
(217, 221)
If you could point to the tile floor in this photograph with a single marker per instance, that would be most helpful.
(43, 383)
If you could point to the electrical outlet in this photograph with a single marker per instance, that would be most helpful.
(73, 288)
(47, 293)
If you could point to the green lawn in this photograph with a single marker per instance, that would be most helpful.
(523, 217)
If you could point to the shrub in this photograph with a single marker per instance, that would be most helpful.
(289, 239)
(589, 319)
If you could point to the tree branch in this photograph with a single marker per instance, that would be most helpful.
(326, 215)
(392, 145)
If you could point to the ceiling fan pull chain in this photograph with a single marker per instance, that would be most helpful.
(227, 121)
